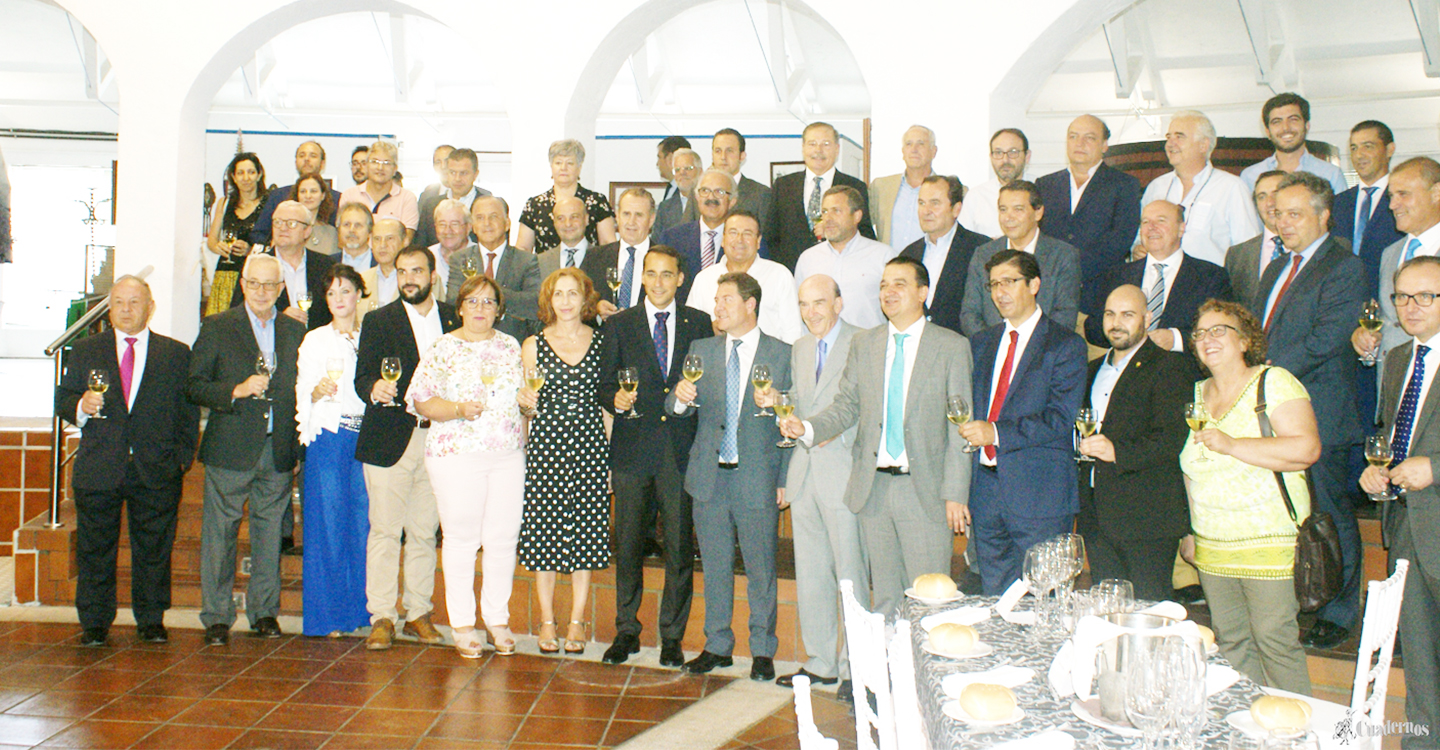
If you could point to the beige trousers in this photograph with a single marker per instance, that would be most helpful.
(401, 500)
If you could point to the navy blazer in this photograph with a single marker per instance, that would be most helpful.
(1036, 455)
(685, 238)
(317, 274)
(1103, 225)
(1380, 233)
(1197, 281)
(950, 287)
(1309, 334)
(386, 430)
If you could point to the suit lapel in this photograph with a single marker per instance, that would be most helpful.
(1309, 275)
(1091, 187)
(926, 357)
(1136, 370)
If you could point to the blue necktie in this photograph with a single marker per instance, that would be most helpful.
(623, 300)
(662, 343)
(1411, 247)
(1278, 251)
(1156, 302)
(569, 257)
(1409, 406)
(734, 386)
(1361, 219)
(821, 349)
(895, 401)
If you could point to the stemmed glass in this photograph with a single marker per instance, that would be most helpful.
(1370, 320)
(629, 379)
(1147, 702)
(471, 267)
(1113, 595)
(334, 369)
(304, 300)
(264, 365)
(1379, 453)
(693, 370)
(98, 381)
(1181, 664)
(760, 378)
(784, 407)
(1085, 425)
(1197, 417)
(1034, 574)
(612, 279)
(390, 369)
(957, 410)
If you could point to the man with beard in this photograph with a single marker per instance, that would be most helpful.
(359, 163)
(1286, 119)
(853, 260)
(356, 223)
(309, 159)
(392, 448)
(1009, 155)
(1133, 510)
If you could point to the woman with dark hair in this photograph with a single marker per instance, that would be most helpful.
(1244, 539)
(537, 229)
(474, 454)
(313, 193)
(567, 461)
(244, 194)
(337, 507)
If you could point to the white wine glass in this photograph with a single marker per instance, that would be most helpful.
(693, 370)
(535, 378)
(760, 378)
(957, 410)
(98, 381)
(629, 379)
(1371, 321)
(471, 266)
(784, 407)
(264, 365)
(1197, 416)
(489, 372)
(304, 300)
(334, 369)
(390, 369)
(612, 279)
(1085, 426)
(1379, 453)
(1147, 703)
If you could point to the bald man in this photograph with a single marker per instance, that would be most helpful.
(1092, 206)
(1133, 510)
(574, 251)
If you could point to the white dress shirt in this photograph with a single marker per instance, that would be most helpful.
(857, 269)
(295, 282)
(1429, 243)
(1077, 190)
(912, 344)
(1172, 269)
(1030, 246)
(426, 327)
(142, 348)
(388, 287)
(1105, 379)
(779, 310)
(565, 262)
(934, 260)
(701, 229)
(1026, 330)
(981, 210)
(1267, 249)
(650, 311)
(1380, 186)
(749, 343)
(361, 262)
(827, 181)
(637, 276)
(1219, 211)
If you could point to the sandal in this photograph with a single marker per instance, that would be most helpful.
(578, 644)
(503, 640)
(549, 645)
(469, 644)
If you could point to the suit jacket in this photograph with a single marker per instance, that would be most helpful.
(1242, 265)
(429, 200)
(260, 232)
(950, 287)
(938, 466)
(1309, 334)
(386, 430)
(593, 265)
(669, 214)
(224, 356)
(518, 276)
(882, 202)
(1035, 459)
(1142, 494)
(371, 302)
(751, 196)
(158, 434)
(685, 238)
(820, 465)
(787, 228)
(628, 343)
(1197, 281)
(1103, 225)
(1391, 334)
(1059, 296)
(1421, 512)
(762, 465)
(317, 271)
(1380, 231)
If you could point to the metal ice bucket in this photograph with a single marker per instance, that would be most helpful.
(1116, 655)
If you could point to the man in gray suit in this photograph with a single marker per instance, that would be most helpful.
(910, 479)
(679, 206)
(1244, 262)
(1020, 214)
(827, 534)
(727, 152)
(515, 270)
(736, 474)
(1412, 521)
(1415, 199)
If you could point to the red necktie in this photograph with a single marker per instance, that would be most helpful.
(490, 265)
(1002, 387)
(1294, 269)
(127, 367)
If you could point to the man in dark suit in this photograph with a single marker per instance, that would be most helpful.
(727, 153)
(650, 453)
(301, 267)
(1092, 206)
(462, 166)
(1308, 305)
(1029, 383)
(665, 161)
(133, 456)
(795, 198)
(571, 221)
(1133, 509)
(678, 206)
(1362, 213)
(392, 448)
(1246, 261)
(516, 271)
(945, 250)
(701, 242)
(634, 216)
(735, 474)
(1174, 284)
(250, 447)
(309, 159)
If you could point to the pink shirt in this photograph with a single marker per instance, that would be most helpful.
(399, 204)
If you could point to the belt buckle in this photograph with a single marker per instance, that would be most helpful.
(422, 423)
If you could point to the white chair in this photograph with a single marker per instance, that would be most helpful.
(810, 737)
(1382, 615)
(869, 669)
(909, 723)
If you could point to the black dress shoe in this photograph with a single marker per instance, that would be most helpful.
(671, 655)
(707, 661)
(1325, 635)
(94, 637)
(217, 635)
(1192, 594)
(845, 693)
(788, 680)
(266, 627)
(620, 651)
(289, 548)
(653, 548)
(762, 669)
(152, 634)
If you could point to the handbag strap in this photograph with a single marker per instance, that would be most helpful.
(1265, 431)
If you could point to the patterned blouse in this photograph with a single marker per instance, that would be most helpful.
(1242, 529)
(451, 370)
(538, 209)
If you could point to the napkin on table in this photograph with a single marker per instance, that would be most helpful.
(1009, 599)
(1051, 740)
(1092, 631)
(1168, 609)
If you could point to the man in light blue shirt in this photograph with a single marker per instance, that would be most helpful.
(1286, 118)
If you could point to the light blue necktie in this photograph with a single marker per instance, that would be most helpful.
(734, 387)
(569, 257)
(1411, 247)
(821, 349)
(1156, 301)
(1409, 407)
(1361, 219)
(895, 401)
(1279, 249)
(623, 300)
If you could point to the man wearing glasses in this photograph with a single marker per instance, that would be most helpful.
(303, 271)
(1009, 155)
(309, 159)
(793, 223)
(381, 194)
(243, 370)
(779, 316)
(701, 242)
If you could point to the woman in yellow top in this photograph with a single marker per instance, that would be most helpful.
(1244, 540)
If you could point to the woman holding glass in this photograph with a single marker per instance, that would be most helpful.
(312, 192)
(567, 510)
(475, 457)
(1243, 540)
(337, 507)
(537, 229)
(230, 229)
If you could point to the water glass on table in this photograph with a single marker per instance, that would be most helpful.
(1113, 595)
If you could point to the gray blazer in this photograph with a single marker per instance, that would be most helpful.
(1242, 263)
(1421, 512)
(1391, 335)
(820, 465)
(1059, 285)
(938, 465)
(518, 275)
(752, 196)
(669, 214)
(762, 465)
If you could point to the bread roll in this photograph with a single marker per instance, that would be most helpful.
(1274, 712)
(1207, 635)
(985, 702)
(953, 638)
(935, 586)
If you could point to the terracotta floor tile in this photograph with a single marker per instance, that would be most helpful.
(269, 739)
(493, 702)
(395, 656)
(171, 736)
(212, 664)
(521, 663)
(552, 730)
(61, 705)
(532, 682)
(791, 742)
(367, 742)
(157, 708)
(30, 730)
(322, 649)
(37, 676)
(455, 676)
(70, 656)
(146, 660)
(354, 694)
(479, 727)
(414, 697)
(214, 712)
(274, 667)
(578, 706)
(620, 731)
(644, 708)
(253, 689)
(390, 721)
(181, 685)
(97, 679)
(13, 696)
(43, 632)
(354, 671)
(448, 743)
(242, 643)
(769, 727)
(300, 717)
(101, 734)
(680, 686)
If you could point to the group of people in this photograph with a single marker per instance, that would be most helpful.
(729, 351)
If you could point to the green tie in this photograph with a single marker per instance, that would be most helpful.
(895, 401)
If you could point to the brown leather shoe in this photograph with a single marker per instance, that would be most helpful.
(382, 636)
(421, 629)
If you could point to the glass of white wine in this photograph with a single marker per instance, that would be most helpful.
(1370, 320)
(612, 279)
(957, 410)
(390, 369)
(98, 381)
(784, 407)
(1198, 416)
(264, 365)
(629, 378)
(760, 378)
(334, 369)
(1379, 453)
(471, 267)
(693, 370)
(303, 300)
(489, 371)
(1086, 426)
(535, 378)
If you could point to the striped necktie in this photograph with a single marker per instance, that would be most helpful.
(1155, 300)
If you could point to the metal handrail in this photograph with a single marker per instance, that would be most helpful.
(74, 331)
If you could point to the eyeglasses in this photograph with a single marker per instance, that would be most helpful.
(291, 223)
(382, 162)
(684, 169)
(1423, 299)
(268, 286)
(1013, 153)
(1003, 283)
(742, 234)
(1213, 332)
(487, 302)
(717, 192)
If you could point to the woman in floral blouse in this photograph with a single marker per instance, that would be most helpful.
(476, 460)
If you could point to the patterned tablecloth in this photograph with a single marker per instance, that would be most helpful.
(1014, 644)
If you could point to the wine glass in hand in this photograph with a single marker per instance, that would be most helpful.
(334, 369)
(957, 410)
(390, 369)
(264, 365)
(693, 370)
(629, 378)
(760, 378)
(1086, 426)
(1379, 453)
(1197, 416)
(98, 381)
(784, 407)
(1371, 321)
